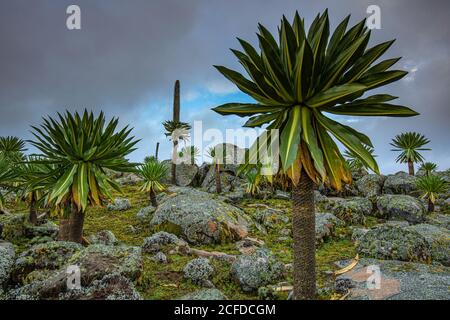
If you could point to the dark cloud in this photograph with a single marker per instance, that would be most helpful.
(128, 54)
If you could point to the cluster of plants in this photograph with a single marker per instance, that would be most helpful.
(298, 79)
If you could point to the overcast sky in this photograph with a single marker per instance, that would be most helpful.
(128, 54)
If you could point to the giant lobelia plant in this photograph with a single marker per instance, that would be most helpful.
(298, 80)
(80, 148)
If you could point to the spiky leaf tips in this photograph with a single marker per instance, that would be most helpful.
(303, 76)
(12, 148)
(354, 162)
(153, 172)
(7, 175)
(81, 147)
(428, 167)
(409, 144)
(431, 186)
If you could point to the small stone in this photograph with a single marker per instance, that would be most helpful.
(160, 258)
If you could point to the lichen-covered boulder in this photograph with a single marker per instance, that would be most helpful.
(400, 207)
(161, 241)
(129, 179)
(258, 269)
(438, 239)
(105, 237)
(201, 218)
(14, 226)
(370, 185)
(145, 214)
(159, 257)
(204, 294)
(46, 256)
(186, 174)
(228, 181)
(7, 255)
(199, 271)
(271, 218)
(393, 242)
(325, 225)
(110, 287)
(94, 263)
(399, 183)
(119, 204)
(352, 210)
(439, 220)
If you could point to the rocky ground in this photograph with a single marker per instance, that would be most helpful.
(198, 245)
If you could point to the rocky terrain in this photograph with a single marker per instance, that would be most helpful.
(199, 245)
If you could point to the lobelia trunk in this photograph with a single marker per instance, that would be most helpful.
(153, 198)
(76, 225)
(430, 205)
(33, 210)
(217, 178)
(303, 227)
(64, 229)
(411, 167)
(174, 165)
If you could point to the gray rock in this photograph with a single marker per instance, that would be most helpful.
(129, 179)
(281, 195)
(201, 218)
(400, 207)
(325, 225)
(259, 269)
(119, 204)
(110, 287)
(248, 245)
(145, 214)
(370, 185)
(228, 179)
(198, 271)
(393, 242)
(358, 233)
(46, 256)
(399, 281)
(318, 197)
(159, 241)
(160, 258)
(438, 240)
(15, 226)
(7, 255)
(399, 183)
(271, 218)
(105, 237)
(439, 220)
(353, 210)
(204, 294)
(186, 174)
(95, 262)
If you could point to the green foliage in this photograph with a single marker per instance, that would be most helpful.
(354, 162)
(12, 148)
(178, 128)
(80, 148)
(253, 181)
(431, 186)
(153, 172)
(189, 154)
(409, 144)
(428, 167)
(149, 159)
(34, 179)
(302, 76)
(7, 176)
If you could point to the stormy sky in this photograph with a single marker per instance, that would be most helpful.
(128, 54)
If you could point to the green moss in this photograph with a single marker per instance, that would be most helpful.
(166, 281)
